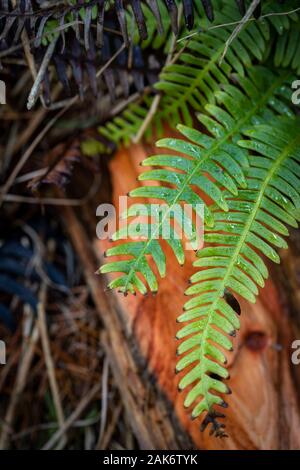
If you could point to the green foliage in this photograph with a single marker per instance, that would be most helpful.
(280, 21)
(287, 52)
(193, 79)
(122, 129)
(212, 152)
(253, 227)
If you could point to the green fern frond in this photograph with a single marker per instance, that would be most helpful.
(278, 17)
(122, 129)
(212, 152)
(192, 81)
(253, 228)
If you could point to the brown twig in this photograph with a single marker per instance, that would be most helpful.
(105, 440)
(48, 358)
(42, 134)
(73, 417)
(104, 398)
(35, 122)
(53, 201)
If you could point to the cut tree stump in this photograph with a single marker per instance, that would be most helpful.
(264, 411)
